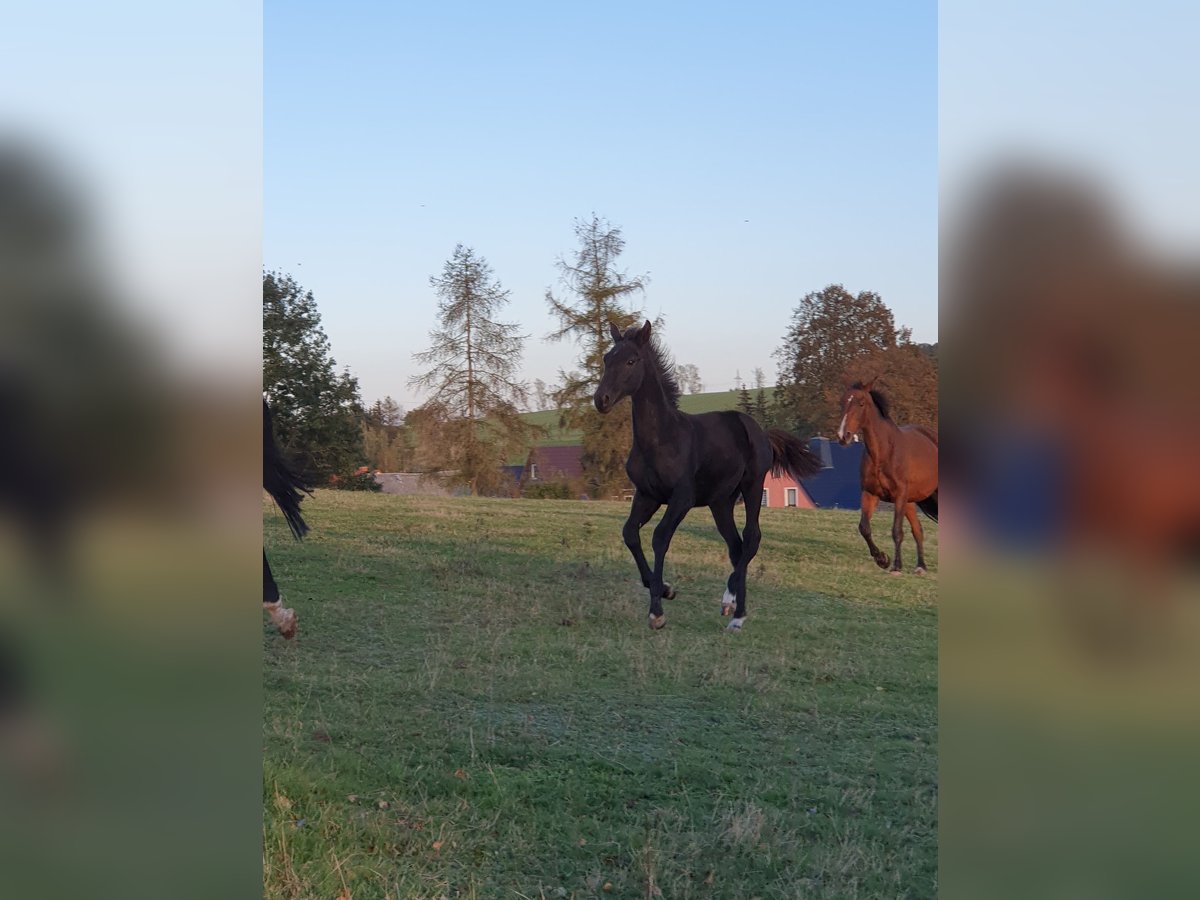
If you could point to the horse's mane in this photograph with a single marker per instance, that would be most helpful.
(881, 400)
(664, 364)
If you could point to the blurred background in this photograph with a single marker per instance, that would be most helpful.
(130, 264)
(1069, 300)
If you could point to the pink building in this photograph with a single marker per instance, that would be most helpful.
(783, 491)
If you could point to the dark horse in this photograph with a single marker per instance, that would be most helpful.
(687, 461)
(287, 489)
(899, 467)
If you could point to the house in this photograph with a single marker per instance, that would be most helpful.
(561, 463)
(783, 491)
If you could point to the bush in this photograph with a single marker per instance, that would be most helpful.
(356, 482)
(548, 490)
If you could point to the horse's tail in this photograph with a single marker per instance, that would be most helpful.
(284, 484)
(789, 453)
(929, 506)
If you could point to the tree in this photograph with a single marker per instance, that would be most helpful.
(744, 403)
(763, 413)
(385, 438)
(317, 410)
(599, 291)
(830, 331)
(471, 423)
(541, 395)
(908, 376)
(688, 377)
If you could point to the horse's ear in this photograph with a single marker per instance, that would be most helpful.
(614, 331)
(643, 335)
(869, 384)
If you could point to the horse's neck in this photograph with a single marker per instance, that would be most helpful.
(879, 435)
(654, 419)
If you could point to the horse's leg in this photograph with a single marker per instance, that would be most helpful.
(751, 538)
(900, 504)
(914, 522)
(722, 513)
(869, 502)
(640, 512)
(282, 618)
(677, 508)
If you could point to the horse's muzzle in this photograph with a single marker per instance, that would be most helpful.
(603, 402)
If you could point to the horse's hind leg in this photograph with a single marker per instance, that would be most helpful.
(914, 522)
(869, 502)
(901, 504)
(282, 618)
(751, 538)
(722, 513)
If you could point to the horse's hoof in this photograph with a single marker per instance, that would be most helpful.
(735, 624)
(668, 591)
(282, 618)
(883, 561)
(895, 572)
(657, 622)
(920, 570)
(727, 604)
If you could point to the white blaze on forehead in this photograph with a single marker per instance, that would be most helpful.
(842, 427)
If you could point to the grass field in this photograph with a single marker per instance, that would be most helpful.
(474, 707)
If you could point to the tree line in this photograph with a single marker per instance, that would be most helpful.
(471, 422)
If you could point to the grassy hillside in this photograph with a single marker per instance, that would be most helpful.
(474, 707)
(689, 403)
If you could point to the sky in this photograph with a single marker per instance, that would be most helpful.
(750, 153)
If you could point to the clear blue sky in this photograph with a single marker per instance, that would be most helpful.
(750, 152)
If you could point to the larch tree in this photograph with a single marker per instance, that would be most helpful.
(596, 293)
(470, 424)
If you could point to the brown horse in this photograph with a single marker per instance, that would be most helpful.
(899, 467)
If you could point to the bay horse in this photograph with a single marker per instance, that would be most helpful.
(687, 461)
(900, 466)
(287, 489)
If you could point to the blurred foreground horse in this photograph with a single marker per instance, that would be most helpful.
(287, 489)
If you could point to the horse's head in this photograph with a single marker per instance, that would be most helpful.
(624, 366)
(855, 403)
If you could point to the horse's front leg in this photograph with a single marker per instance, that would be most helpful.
(901, 502)
(640, 512)
(869, 502)
(677, 508)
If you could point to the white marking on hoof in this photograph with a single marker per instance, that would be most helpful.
(728, 602)
(657, 622)
(735, 624)
(282, 618)
(920, 570)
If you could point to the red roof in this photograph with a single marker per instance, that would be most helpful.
(557, 462)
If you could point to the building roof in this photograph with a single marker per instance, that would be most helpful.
(558, 462)
(837, 486)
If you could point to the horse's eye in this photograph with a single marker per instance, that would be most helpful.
(632, 360)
